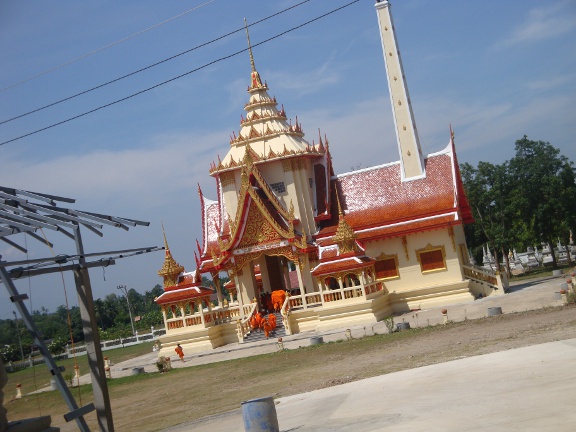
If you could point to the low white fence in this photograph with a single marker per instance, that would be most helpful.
(118, 343)
(81, 350)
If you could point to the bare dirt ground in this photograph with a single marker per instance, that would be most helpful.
(153, 402)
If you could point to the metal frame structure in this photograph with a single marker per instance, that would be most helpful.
(25, 212)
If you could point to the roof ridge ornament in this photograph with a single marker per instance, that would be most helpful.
(255, 81)
(170, 269)
(345, 236)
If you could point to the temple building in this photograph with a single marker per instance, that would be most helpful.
(362, 245)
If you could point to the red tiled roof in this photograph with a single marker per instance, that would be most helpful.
(340, 265)
(182, 293)
(377, 198)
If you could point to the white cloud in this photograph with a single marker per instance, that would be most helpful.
(551, 83)
(542, 23)
(170, 166)
(307, 81)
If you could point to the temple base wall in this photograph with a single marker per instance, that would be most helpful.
(433, 296)
(197, 339)
(477, 288)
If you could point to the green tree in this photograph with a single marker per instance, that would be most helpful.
(488, 189)
(544, 190)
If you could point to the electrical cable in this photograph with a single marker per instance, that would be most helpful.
(179, 76)
(150, 66)
(104, 47)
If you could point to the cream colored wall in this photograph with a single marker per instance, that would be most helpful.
(411, 276)
(246, 283)
(297, 190)
(304, 191)
(230, 195)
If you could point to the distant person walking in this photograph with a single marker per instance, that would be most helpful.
(180, 352)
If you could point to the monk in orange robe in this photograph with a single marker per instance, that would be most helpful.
(180, 352)
(267, 328)
(278, 298)
(272, 321)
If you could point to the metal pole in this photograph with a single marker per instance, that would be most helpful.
(18, 300)
(92, 339)
(18, 333)
(125, 291)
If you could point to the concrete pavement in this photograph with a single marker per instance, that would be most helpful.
(525, 389)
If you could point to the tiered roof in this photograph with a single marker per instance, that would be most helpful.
(188, 287)
(266, 130)
(179, 285)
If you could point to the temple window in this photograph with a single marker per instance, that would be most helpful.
(279, 187)
(386, 267)
(431, 258)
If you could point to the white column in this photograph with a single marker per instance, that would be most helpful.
(183, 313)
(411, 158)
(165, 317)
(301, 284)
(201, 310)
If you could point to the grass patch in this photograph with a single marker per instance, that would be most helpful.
(39, 376)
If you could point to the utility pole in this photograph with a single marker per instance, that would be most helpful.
(125, 291)
(18, 333)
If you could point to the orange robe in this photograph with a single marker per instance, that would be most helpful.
(272, 321)
(278, 298)
(180, 352)
(267, 329)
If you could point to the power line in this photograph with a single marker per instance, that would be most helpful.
(150, 66)
(105, 47)
(180, 76)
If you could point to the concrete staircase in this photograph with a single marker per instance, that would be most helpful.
(258, 335)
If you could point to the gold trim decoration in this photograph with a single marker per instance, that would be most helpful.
(287, 165)
(451, 234)
(405, 245)
(226, 179)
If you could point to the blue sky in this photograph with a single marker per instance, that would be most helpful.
(494, 70)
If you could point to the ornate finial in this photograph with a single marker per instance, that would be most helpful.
(255, 81)
(170, 269)
(249, 47)
(164, 234)
(345, 236)
(340, 214)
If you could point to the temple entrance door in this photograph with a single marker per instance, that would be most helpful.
(276, 273)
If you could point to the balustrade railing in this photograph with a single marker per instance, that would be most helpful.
(481, 275)
(243, 325)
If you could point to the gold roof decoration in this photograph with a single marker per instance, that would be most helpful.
(255, 82)
(345, 237)
(170, 269)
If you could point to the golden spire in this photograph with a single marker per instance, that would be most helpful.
(255, 82)
(345, 236)
(165, 241)
(170, 269)
(249, 47)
